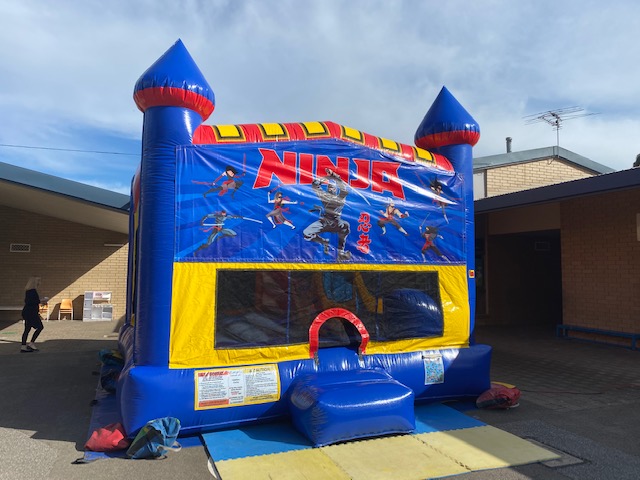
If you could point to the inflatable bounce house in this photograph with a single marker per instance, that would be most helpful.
(304, 271)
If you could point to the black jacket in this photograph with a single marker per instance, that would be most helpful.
(31, 304)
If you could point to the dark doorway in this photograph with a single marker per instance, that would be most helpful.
(524, 279)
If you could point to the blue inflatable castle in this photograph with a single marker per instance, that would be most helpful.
(304, 271)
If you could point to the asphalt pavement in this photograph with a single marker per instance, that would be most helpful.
(578, 399)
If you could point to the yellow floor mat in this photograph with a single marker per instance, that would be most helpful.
(310, 464)
(399, 458)
(402, 457)
(486, 447)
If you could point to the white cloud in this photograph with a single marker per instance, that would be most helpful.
(68, 77)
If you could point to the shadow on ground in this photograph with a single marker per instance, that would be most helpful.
(48, 393)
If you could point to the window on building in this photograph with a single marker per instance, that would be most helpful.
(479, 185)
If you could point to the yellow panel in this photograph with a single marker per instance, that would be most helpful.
(352, 133)
(229, 131)
(390, 144)
(310, 464)
(314, 128)
(399, 457)
(424, 155)
(273, 130)
(192, 312)
(193, 315)
(486, 447)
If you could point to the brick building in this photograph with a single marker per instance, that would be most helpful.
(562, 252)
(514, 171)
(72, 235)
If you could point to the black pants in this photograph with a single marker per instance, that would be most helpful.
(31, 321)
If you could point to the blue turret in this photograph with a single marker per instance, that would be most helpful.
(450, 130)
(175, 99)
(175, 80)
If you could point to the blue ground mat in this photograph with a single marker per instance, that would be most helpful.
(279, 437)
(105, 412)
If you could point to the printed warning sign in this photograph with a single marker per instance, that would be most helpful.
(231, 387)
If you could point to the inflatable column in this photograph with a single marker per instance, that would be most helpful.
(175, 99)
(450, 130)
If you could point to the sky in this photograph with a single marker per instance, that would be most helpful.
(68, 68)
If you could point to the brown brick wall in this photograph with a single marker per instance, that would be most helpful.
(601, 262)
(71, 259)
(523, 176)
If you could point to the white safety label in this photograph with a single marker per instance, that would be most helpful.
(229, 387)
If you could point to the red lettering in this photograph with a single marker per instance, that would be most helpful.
(384, 178)
(341, 167)
(206, 375)
(364, 227)
(306, 168)
(379, 176)
(363, 243)
(361, 180)
(271, 166)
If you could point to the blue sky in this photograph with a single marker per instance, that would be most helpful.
(67, 71)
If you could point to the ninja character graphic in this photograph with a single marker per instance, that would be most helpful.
(333, 200)
(231, 184)
(388, 216)
(276, 215)
(214, 223)
(436, 187)
(430, 234)
(216, 227)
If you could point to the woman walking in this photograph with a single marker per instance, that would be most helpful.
(31, 315)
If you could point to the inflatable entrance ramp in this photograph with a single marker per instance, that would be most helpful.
(307, 270)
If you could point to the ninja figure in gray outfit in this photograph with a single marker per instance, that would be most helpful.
(333, 200)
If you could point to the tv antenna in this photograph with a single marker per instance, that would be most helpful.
(555, 118)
